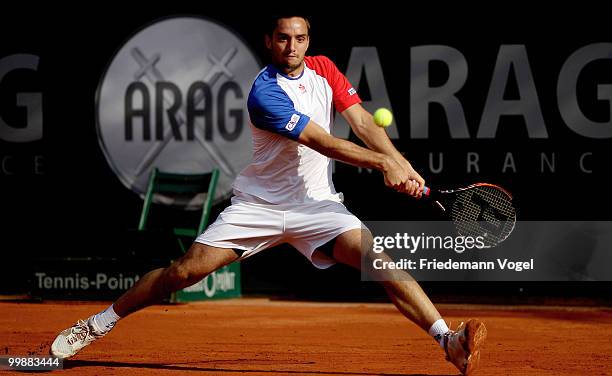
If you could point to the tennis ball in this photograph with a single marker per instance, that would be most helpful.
(383, 117)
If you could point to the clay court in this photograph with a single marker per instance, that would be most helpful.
(263, 337)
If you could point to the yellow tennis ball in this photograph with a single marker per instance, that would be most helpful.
(383, 117)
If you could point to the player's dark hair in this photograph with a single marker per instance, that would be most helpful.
(273, 21)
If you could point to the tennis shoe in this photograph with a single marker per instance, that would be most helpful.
(463, 345)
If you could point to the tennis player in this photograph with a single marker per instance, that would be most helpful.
(286, 195)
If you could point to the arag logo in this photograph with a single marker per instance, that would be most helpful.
(174, 97)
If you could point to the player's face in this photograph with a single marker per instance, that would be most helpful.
(288, 44)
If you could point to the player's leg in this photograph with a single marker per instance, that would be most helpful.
(153, 287)
(197, 263)
(406, 294)
(462, 346)
(243, 226)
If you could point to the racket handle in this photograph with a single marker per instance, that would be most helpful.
(426, 191)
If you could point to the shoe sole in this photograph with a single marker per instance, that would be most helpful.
(475, 334)
(59, 355)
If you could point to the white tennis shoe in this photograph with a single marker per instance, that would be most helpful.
(72, 340)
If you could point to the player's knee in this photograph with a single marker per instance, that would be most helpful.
(352, 246)
(367, 241)
(180, 275)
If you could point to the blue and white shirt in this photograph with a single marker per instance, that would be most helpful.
(282, 170)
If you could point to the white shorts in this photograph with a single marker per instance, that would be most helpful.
(253, 227)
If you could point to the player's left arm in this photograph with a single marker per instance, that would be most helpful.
(376, 138)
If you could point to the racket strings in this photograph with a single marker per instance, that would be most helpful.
(484, 211)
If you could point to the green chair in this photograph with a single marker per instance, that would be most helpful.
(181, 188)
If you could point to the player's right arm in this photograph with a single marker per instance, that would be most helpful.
(317, 139)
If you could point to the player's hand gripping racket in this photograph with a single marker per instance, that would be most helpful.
(480, 209)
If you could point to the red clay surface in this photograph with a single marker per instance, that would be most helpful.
(261, 337)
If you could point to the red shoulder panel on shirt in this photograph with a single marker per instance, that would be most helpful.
(343, 92)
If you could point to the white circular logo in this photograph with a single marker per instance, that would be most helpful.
(174, 97)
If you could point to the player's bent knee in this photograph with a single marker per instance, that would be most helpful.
(367, 241)
(199, 261)
(178, 276)
(184, 272)
(352, 246)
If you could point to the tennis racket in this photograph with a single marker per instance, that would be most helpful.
(480, 209)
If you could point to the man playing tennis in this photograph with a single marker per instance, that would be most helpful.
(286, 195)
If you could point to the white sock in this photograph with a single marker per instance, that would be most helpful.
(438, 330)
(105, 320)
